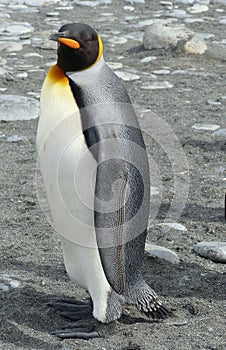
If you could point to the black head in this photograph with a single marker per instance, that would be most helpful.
(78, 46)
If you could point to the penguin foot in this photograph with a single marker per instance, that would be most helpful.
(84, 329)
(73, 309)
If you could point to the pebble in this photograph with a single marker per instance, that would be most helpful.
(14, 138)
(221, 134)
(178, 13)
(117, 40)
(8, 282)
(148, 59)
(161, 71)
(15, 107)
(92, 3)
(207, 127)
(174, 225)
(126, 76)
(115, 65)
(222, 21)
(213, 103)
(128, 8)
(196, 45)
(185, 2)
(4, 287)
(10, 46)
(156, 85)
(215, 251)
(23, 75)
(196, 8)
(162, 253)
(136, 1)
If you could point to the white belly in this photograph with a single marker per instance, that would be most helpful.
(68, 170)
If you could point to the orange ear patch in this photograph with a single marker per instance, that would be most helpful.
(69, 42)
(56, 75)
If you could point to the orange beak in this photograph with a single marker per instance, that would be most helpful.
(69, 42)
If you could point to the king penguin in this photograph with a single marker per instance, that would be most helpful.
(94, 166)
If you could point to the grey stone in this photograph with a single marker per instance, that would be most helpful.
(207, 127)
(215, 251)
(196, 45)
(162, 253)
(174, 225)
(91, 3)
(148, 59)
(14, 138)
(213, 103)
(15, 107)
(126, 76)
(161, 36)
(220, 134)
(156, 85)
(197, 8)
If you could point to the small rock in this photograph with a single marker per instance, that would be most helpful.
(196, 45)
(115, 65)
(10, 46)
(185, 2)
(136, 1)
(15, 107)
(126, 75)
(128, 8)
(91, 3)
(221, 134)
(215, 251)
(14, 138)
(156, 85)
(207, 127)
(213, 103)
(23, 75)
(161, 71)
(174, 225)
(162, 253)
(148, 59)
(4, 287)
(178, 13)
(222, 21)
(117, 40)
(196, 8)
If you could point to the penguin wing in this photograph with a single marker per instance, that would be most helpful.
(113, 136)
(109, 217)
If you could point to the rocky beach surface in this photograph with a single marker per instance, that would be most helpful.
(172, 58)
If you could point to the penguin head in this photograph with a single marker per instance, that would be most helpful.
(79, 47)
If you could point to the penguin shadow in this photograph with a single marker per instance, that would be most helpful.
(198, 212)
(184, 280)
(27, 320)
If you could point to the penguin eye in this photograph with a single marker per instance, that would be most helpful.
(88, 41)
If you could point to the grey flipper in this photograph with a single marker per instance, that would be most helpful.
(122, 191)
(121, 205)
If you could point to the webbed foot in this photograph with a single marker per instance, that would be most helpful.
(85, 329)
(73, 309)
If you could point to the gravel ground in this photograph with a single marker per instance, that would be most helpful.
(31, 259)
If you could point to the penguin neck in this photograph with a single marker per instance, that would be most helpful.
(90, 71)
